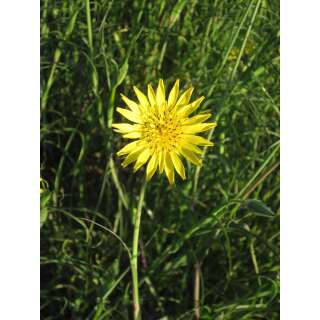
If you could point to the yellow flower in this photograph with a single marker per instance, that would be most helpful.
(248, 49)
(163, 131)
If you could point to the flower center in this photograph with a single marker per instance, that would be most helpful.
(161, 131)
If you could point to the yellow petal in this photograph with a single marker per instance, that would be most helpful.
(191, 147)
(169, 168)
(190, 156)
(124, 127)
(141, 97)
(133, 156)
(161, 95)
(132, 116)
(200, 141)
(173, 96)
(185, 97)
(196, 119)
(151, 95)
(133, 135)
(199, 127)
(127, 148)
(178, 164)
(152, 166)
(188, 109)
(162, 108)
(142, 159)
(131, 104)
(161, 161)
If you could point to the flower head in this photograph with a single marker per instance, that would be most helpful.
(163, 131)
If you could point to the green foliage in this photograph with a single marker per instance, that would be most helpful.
(45, 198)
(224, 217)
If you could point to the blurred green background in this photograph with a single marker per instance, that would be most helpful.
(214, 236)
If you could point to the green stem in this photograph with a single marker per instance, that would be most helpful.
(94, 75)
(135, 253)
(89, 25)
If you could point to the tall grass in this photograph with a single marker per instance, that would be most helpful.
(209, 246)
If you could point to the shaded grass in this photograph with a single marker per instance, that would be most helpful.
(90, 53)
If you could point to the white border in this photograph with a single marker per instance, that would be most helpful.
(19, 166)
(300, 160)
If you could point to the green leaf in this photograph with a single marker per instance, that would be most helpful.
(43, 216)
(122, 73)
(176, 12)
(259, 208)
(45, 198)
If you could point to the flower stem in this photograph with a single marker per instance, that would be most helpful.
(135, 253)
